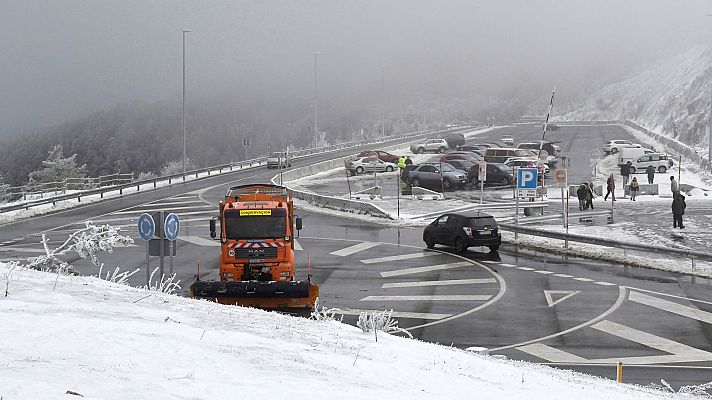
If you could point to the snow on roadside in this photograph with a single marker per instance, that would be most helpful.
(104, 340)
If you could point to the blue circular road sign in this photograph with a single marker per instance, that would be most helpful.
(171, 226)
(146, 226)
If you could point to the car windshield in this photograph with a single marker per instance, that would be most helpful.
(482, 222)
(255, 224)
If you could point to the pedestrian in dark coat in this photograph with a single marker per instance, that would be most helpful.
(625, 173)
(610, 188)
(651, 173)
(589, 195)
(678, 209)
(633, 188)
(581, 194)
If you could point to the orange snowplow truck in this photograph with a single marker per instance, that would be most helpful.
(257, 230)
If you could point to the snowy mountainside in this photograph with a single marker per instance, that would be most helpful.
(671, 97)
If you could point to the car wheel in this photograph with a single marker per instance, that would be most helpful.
(389, 169)
(494, 247)
(614, 150)
(442, 150)
(447, 184)
(359, 170)
(460, 245)
(632, 170)
(662, 169)
(415, 182)
(429, 242)
(421, 150)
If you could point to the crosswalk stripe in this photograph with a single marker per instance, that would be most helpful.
(438, 283)
(398, 257)
(669, 306)
(200, 241)
(354, 249)
(418, 270)
(396, 314)
(173, 209)
(434, 297)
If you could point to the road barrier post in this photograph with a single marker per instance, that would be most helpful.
(619, 372)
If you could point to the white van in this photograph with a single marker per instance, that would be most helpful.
(631, 153)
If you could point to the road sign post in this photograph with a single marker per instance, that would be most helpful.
(482, 177)
(146, 229)
(171, 227)
(560, 176)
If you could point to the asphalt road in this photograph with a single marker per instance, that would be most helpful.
(525, 305)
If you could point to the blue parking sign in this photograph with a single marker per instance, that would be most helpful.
(527, 178)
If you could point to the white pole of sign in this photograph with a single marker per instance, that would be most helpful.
(162, 218)
(148, 266)
(516, 213)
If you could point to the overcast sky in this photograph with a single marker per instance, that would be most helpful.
(61, 59)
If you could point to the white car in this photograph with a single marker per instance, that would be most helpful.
(615, 145)
(507, 139)
(436, 145)
(661, 163)
(360, 165)
(524, 162)
(279, 159)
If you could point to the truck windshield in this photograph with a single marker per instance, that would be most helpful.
(255, 224)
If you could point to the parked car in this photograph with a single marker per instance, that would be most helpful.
(461, 155)
(474, 147)
(534, 154)
(279, 159)
(429, 176)
(463, 230)
(516, 162)
(507, 139)
(501, 154)
(497, 174)
(548, 146)
(455, 139)
(382, 155)
(461, 164)
(405, 172)
(661, 163)
(436, 145)
(360, 165)
(615, 145)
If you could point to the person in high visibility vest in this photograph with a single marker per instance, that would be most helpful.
(401, 162)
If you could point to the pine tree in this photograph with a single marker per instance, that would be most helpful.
(56, 168)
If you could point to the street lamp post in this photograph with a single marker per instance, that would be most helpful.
(383, 102)
(183, 110)
(316, 107)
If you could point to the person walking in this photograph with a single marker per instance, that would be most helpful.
(625, 173)
(651, 174)
(633, 188)
(401, 162)
(678, 209)
(674, 187)
(591, 194)
(610, 188)
(408, 161)
(581, 194)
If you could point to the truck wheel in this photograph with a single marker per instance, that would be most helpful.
(359, 170)
(632, 170)
(442, 150)
(429, 242)
(460, 245)
(662, 169)
(389, 169)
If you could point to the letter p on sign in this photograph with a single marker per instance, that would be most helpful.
(526, 178)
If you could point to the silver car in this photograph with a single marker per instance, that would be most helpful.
(360, 165)
(436, 145)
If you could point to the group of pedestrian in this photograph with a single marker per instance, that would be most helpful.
(403, 162)
(585, 194)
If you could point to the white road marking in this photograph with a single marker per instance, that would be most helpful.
(567, 293)
(490, 262)
(208, 213)
(173, 209)
(551, 354)
(200, 241)
(354, 249)
(543, 272)
(583, 279)
(604, 283)
(563, 276)
(399, 257)
(669, 306)
(680, 352)
(434, 297)
(418, 270)
(190, 196)
(439, 283)
(297, 246)
(397, 314)
(194, 200)
(507, 265)
(22, 249)
(525, 268)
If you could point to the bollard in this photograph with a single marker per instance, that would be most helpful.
(619, 372)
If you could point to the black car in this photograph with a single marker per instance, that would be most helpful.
(463, 230)
(455, 139)
(497, 174)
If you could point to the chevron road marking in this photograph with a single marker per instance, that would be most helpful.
(439, 283)
(418, 270)
(399, 257)
(354, 249)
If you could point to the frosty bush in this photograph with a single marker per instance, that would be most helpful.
(380, 321)
(326, 314)
(695, 390)
(144, 176)
(176, 167)
(57, 168)
(117, 276)
(167, 284)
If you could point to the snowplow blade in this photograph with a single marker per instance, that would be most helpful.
(274, 295)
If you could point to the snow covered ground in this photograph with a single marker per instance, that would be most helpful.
(71, 335)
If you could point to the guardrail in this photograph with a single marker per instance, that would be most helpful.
(570, 237)
(42, 189)
(219, 168)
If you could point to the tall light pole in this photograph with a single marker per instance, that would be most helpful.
(183, 111)
(383, 102)
(316, 107)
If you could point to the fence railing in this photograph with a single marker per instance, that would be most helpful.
(53, 188)
(220, 168)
